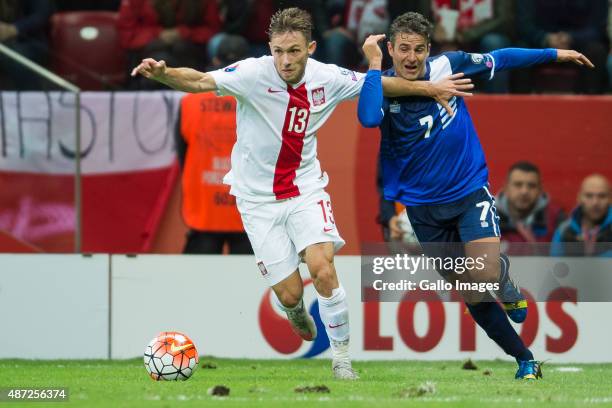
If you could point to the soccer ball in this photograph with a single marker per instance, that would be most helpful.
(170, 356)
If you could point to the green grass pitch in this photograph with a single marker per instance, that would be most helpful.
(266, 383)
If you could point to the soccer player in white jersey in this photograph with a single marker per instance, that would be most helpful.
(283, 100)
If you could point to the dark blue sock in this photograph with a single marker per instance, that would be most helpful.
(490, 316)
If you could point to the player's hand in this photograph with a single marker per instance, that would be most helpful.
(395, 232)
(151, 69)
(372, 51)
(7, 31)
(454, 85)
(573, 56)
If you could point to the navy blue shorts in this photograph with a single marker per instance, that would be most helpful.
(467, 219)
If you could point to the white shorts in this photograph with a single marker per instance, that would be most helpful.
(280, 230)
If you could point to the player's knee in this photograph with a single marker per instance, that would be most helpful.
(289, 298)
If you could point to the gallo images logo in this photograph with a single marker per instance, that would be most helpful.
(277, 331)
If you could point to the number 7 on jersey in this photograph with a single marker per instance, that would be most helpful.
(427, 120)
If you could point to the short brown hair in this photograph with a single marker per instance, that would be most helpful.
(525, 167)
(291, 19)
(411, 23)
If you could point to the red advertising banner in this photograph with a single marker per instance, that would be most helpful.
(127, 168)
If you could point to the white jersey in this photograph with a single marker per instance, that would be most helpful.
(275, 155)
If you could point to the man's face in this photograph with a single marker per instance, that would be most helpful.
(523, 190)
(409, 52)
(594, 198)
(291, 51)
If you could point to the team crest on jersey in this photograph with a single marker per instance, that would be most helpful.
(395, 107)
(477, 58)
(262, 268)
(318, 96)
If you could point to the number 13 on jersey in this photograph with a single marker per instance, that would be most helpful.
(298, 119)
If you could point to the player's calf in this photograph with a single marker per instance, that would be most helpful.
(484, 256)
(509, 293)
(288, 297)
(496, 269)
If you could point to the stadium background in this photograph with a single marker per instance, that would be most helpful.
(131, 201)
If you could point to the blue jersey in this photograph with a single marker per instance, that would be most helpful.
(428, 156)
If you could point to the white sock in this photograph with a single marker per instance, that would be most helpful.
(335, 316)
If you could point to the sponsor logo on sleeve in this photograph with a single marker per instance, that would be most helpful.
(477, 58)
(231, 68)
(348, 72)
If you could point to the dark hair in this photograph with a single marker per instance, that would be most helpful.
(525, 166)
(411, 23)
(291, 19)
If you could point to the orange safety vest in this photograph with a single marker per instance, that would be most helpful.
(208, 126)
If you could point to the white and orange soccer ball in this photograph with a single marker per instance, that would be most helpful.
(171, 356)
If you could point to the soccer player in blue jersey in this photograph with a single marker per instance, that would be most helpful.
(433, 163)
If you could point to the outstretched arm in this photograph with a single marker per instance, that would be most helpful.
(181, 79)
(370, 111)
(510, 58)
(441, 91)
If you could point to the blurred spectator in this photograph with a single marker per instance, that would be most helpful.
(205, 139)
(247, 18)
(525, 210)
(481, 26)
(251, 18)
(175, 31)
(23, 28)
(575, 24)
(396, 8)
(343, 42)
(316, 8)
(589, 224)
(79, 5)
